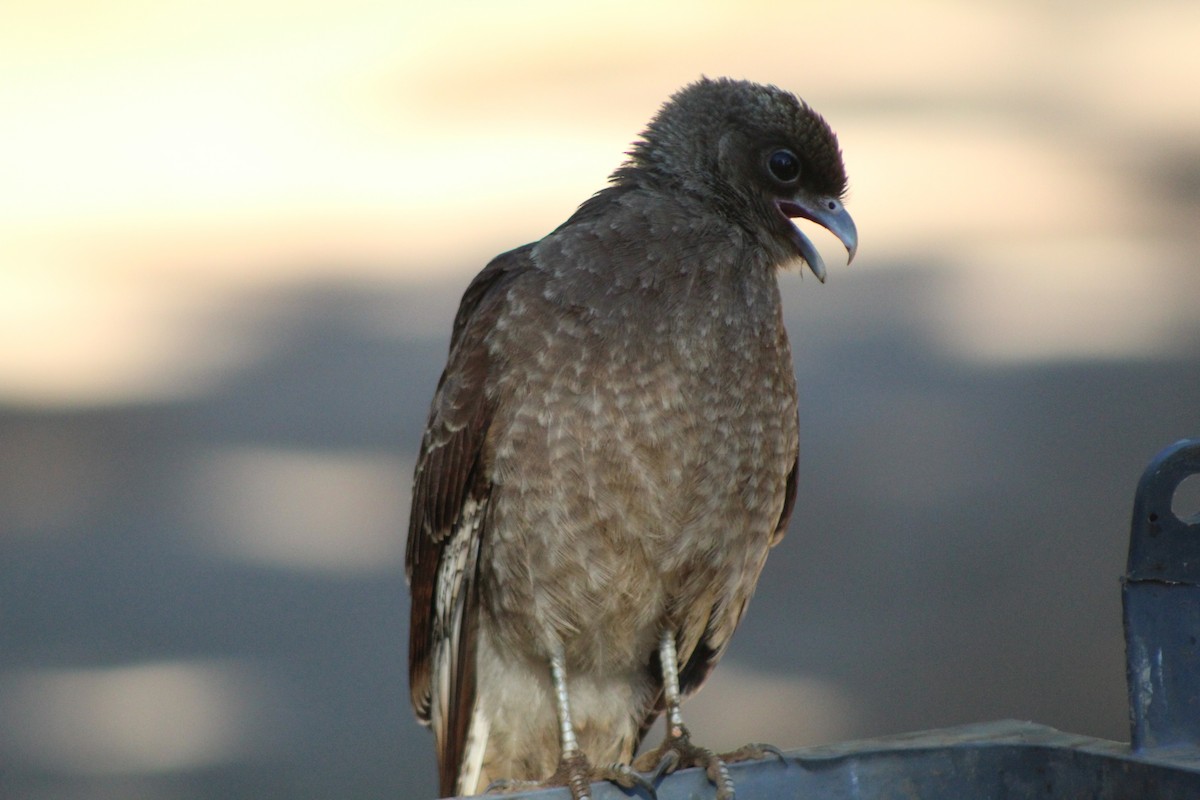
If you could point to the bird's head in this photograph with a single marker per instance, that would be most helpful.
(760, 156)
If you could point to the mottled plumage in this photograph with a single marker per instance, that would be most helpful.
(611, 450)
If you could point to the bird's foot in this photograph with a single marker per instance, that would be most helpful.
(577, 774)
(677, 752)
(624, 776)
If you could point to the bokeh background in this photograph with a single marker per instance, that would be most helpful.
(232, 239)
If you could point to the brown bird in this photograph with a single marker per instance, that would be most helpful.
(611, 450)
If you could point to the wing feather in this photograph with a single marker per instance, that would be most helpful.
(448, 523)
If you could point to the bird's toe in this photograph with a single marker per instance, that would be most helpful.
(678, 752)
(626, 777)
(575, 772)
(753, 752)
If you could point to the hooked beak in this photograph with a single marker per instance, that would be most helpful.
(830, 214)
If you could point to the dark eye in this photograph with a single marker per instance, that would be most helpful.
(784, 166)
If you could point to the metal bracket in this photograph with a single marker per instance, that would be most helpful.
(1161, 596)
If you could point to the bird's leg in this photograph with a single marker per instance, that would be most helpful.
(572, 765)
(574, 770)
(670, 669)
(677, 751)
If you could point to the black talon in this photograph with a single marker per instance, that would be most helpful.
(666, 765)
(677, 752)
(625, 776)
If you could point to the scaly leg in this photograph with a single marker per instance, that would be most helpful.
(677, 751)
(573, 762)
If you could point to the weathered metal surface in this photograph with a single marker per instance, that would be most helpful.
(1005, 759)
(1162, 607)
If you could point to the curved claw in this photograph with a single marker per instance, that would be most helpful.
(625, 776)
(666, 765)
(678, 752)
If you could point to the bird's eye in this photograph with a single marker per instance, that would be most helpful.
(784, 166)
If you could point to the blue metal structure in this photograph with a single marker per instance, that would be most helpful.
(1162, 608)
(1008, 759)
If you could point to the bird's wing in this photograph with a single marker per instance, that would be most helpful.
(448, 521)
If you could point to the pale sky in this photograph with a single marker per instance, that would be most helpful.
(161, 159)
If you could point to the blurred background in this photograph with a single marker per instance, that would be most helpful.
(232, 239)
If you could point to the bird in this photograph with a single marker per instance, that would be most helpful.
(612, 448)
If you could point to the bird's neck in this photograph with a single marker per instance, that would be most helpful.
(651, 267)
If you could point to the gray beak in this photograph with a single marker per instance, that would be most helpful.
(830, 214)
